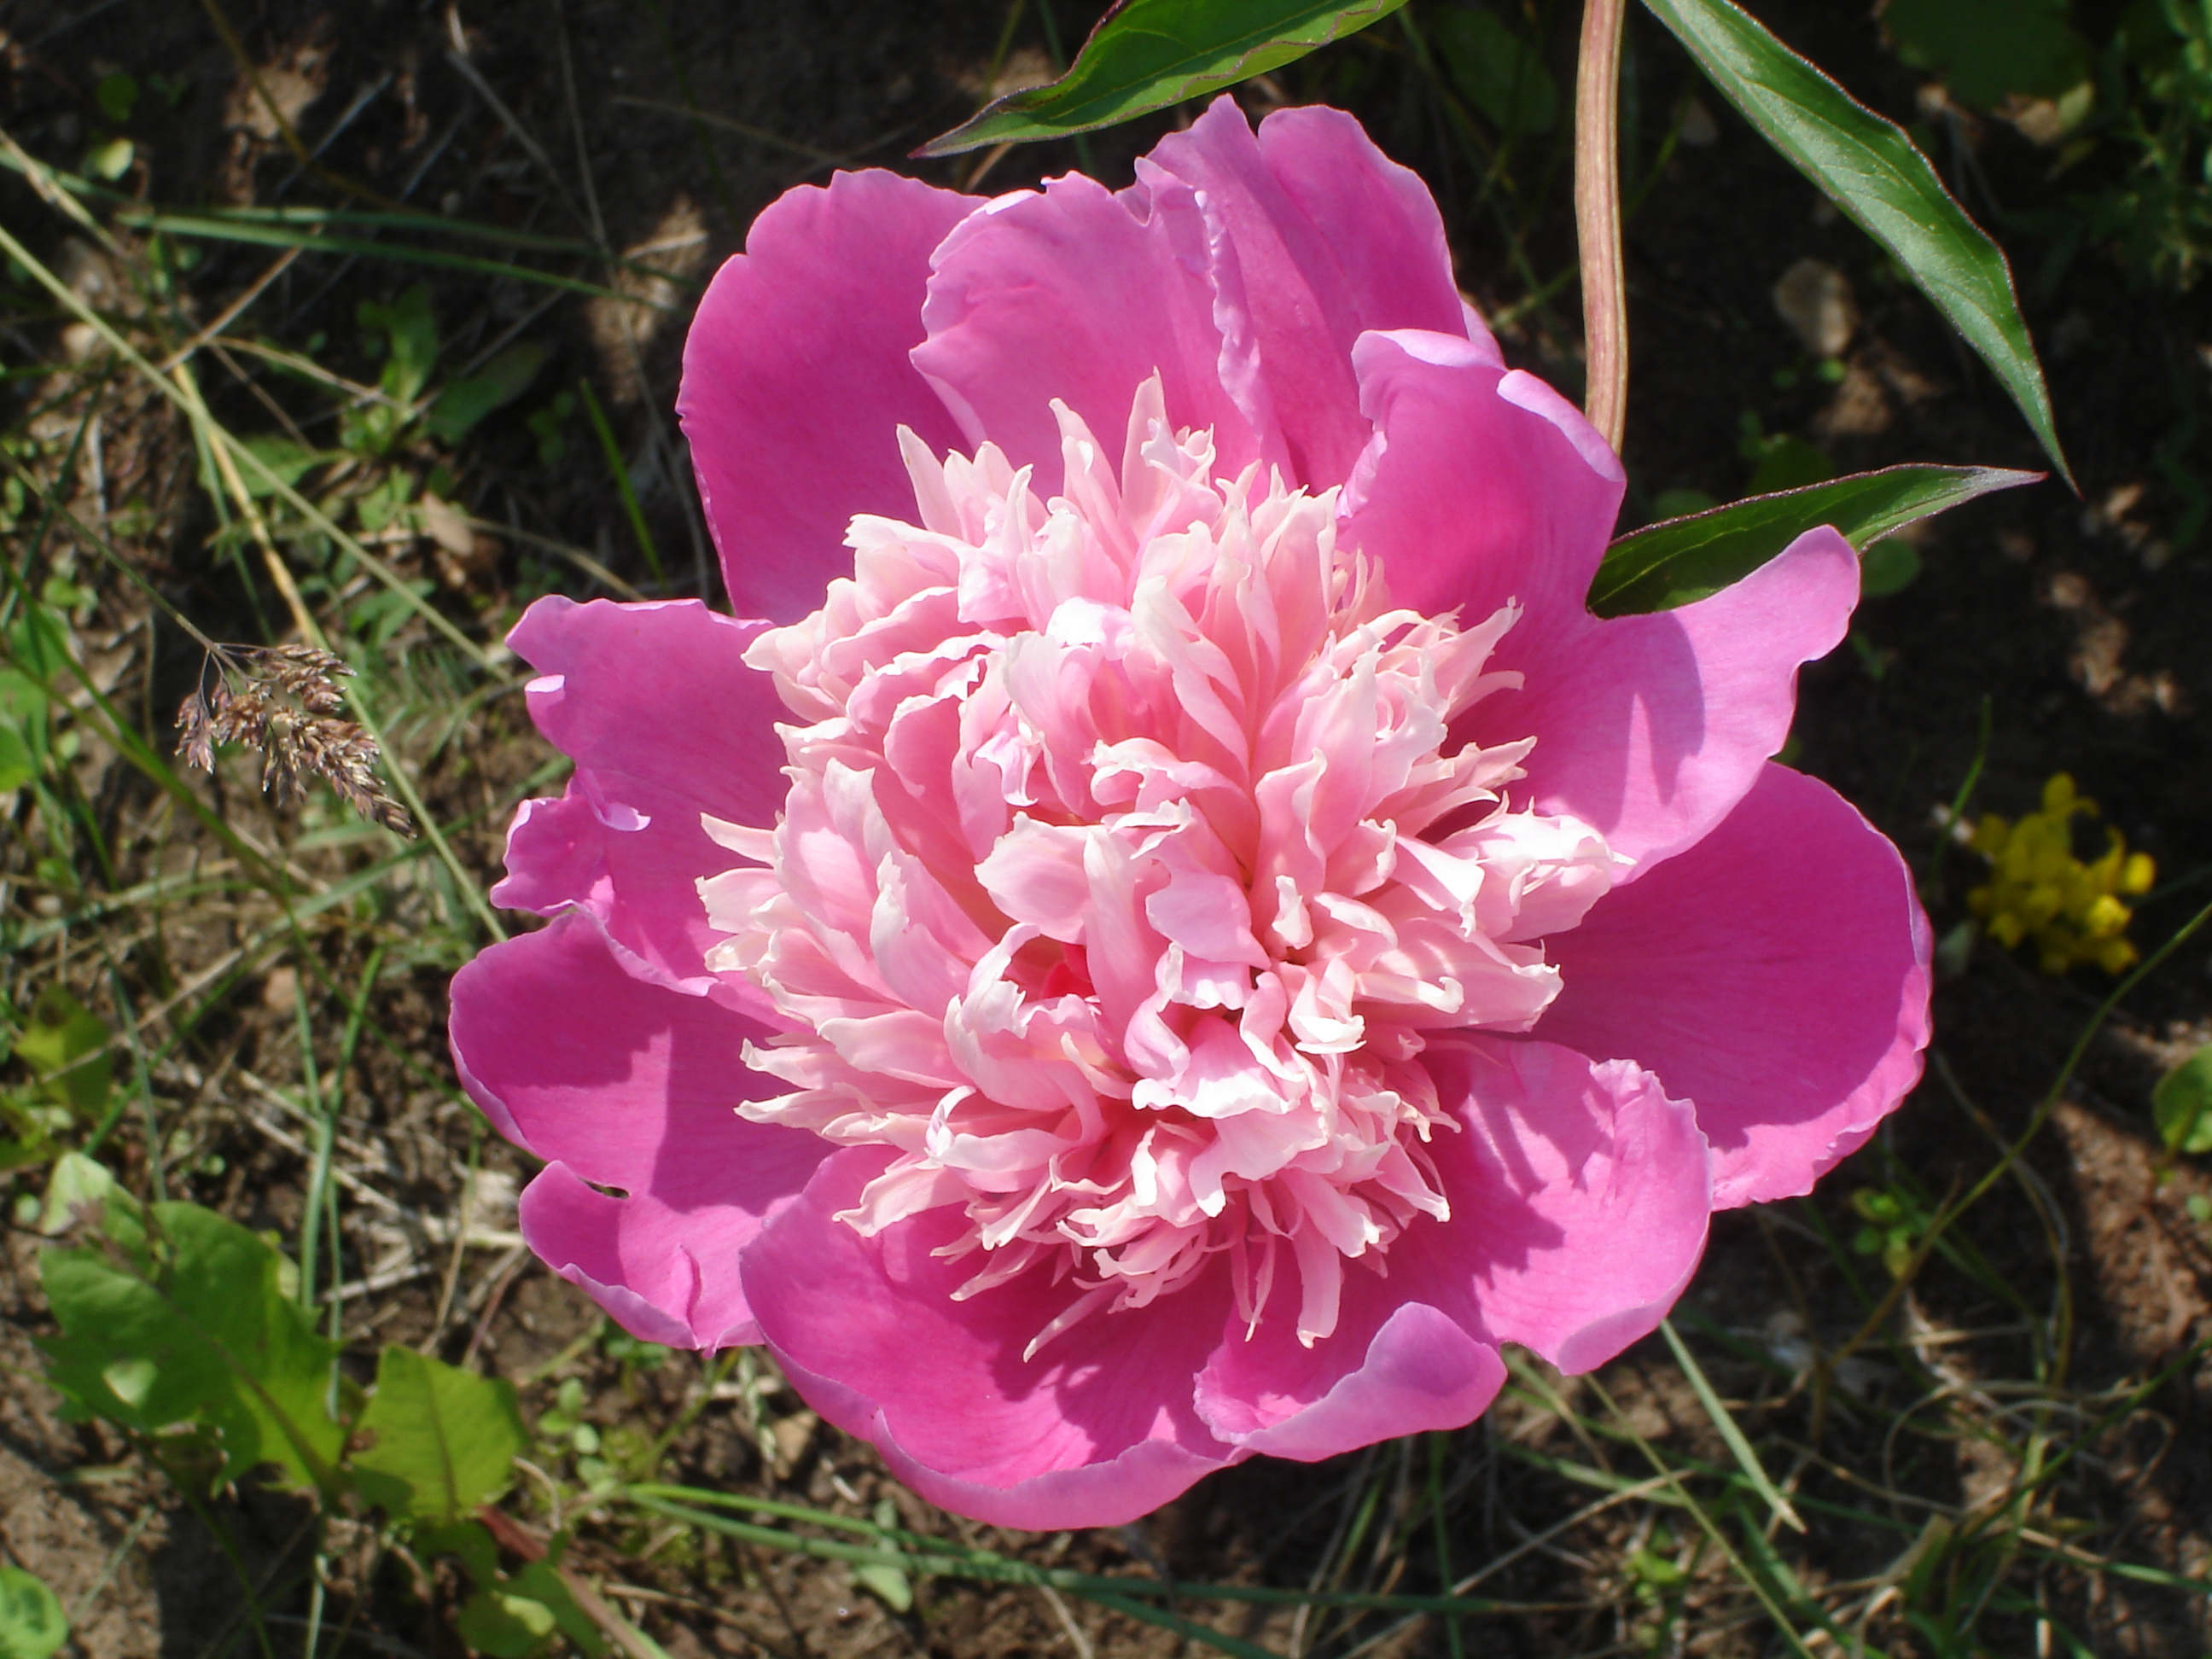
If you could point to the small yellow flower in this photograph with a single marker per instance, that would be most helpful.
(2040, 892)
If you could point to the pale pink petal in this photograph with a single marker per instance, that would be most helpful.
(1097, 1429)
(1080, 294)
(796, 380)
(625, 842)
(1776, 974)
(1316, 238)
(626, 1084)
(1579, 1196)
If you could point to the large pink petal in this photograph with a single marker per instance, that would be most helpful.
(665, 722)
(1078, 295)
(1484, 487)
(1392, 1367)
(624, 1084)
(1096, 1429)
(796, 381)
(1317, 239)
(1580, 1195)
(1653, 727)
(1776, 974)
(1482, 484)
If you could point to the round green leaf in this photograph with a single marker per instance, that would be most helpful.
(32, 1622)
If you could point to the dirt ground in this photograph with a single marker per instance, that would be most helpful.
(2077, 622)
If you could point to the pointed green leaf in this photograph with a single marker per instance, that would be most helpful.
(1870, 169)
(1665, 565)
(441, 1441)
(184, 1320)
(2182, 1105)
(500, 382)
(1147, 54)
(32, 1622)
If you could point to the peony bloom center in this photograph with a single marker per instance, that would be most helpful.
(1128, 868)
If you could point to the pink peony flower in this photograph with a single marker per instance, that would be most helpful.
(1180, 934)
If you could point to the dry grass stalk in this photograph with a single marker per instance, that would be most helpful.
(283, 701)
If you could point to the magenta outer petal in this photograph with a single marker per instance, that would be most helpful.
(1481, 485)
(1653, 728)
(1776, 974)
(796, 380)
(666, 1275)
(1317, 239)
(1096, 1429)
(665, 722)
(622, 1083)
(1420, 1369)
(1580, 1196)
(1078, 295)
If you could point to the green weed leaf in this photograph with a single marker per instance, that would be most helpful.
(1147, 54)
(1665, 565)
(2182, 1105)
(55, 1044)
(1499, 71)
(407, 331)
(888, 1585)
(504, 1625)
(288, 459)
(1870, 169)
(117, 94)
(1985, 49)
(441, 1441)
(500, 381)
(32, 1622)
(184, 1320)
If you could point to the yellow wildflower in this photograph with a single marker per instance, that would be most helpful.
(2039, 891)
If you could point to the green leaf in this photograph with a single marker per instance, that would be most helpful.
(1985, 49)
(32, 1622)
(1789, 463)
(504, 1625)
(1869, 169)
(541, 1581)
(1888, 566)
(60, 1033)
(409, 332)
(500, 381)
(1665, 565)
(441, 1441)
(18, 765)
(287, 459)
(1147, 54)
(117, 94)
(184, 1320)
(1500, 72)
(888, 1584)
(2182, 1103)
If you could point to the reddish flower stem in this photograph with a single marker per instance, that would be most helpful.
(1597, 217)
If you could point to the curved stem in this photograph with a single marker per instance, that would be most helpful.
(1597, 217)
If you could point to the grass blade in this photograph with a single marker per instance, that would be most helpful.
(1745, 1458)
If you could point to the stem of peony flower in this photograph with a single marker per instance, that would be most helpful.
(1597, 217)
